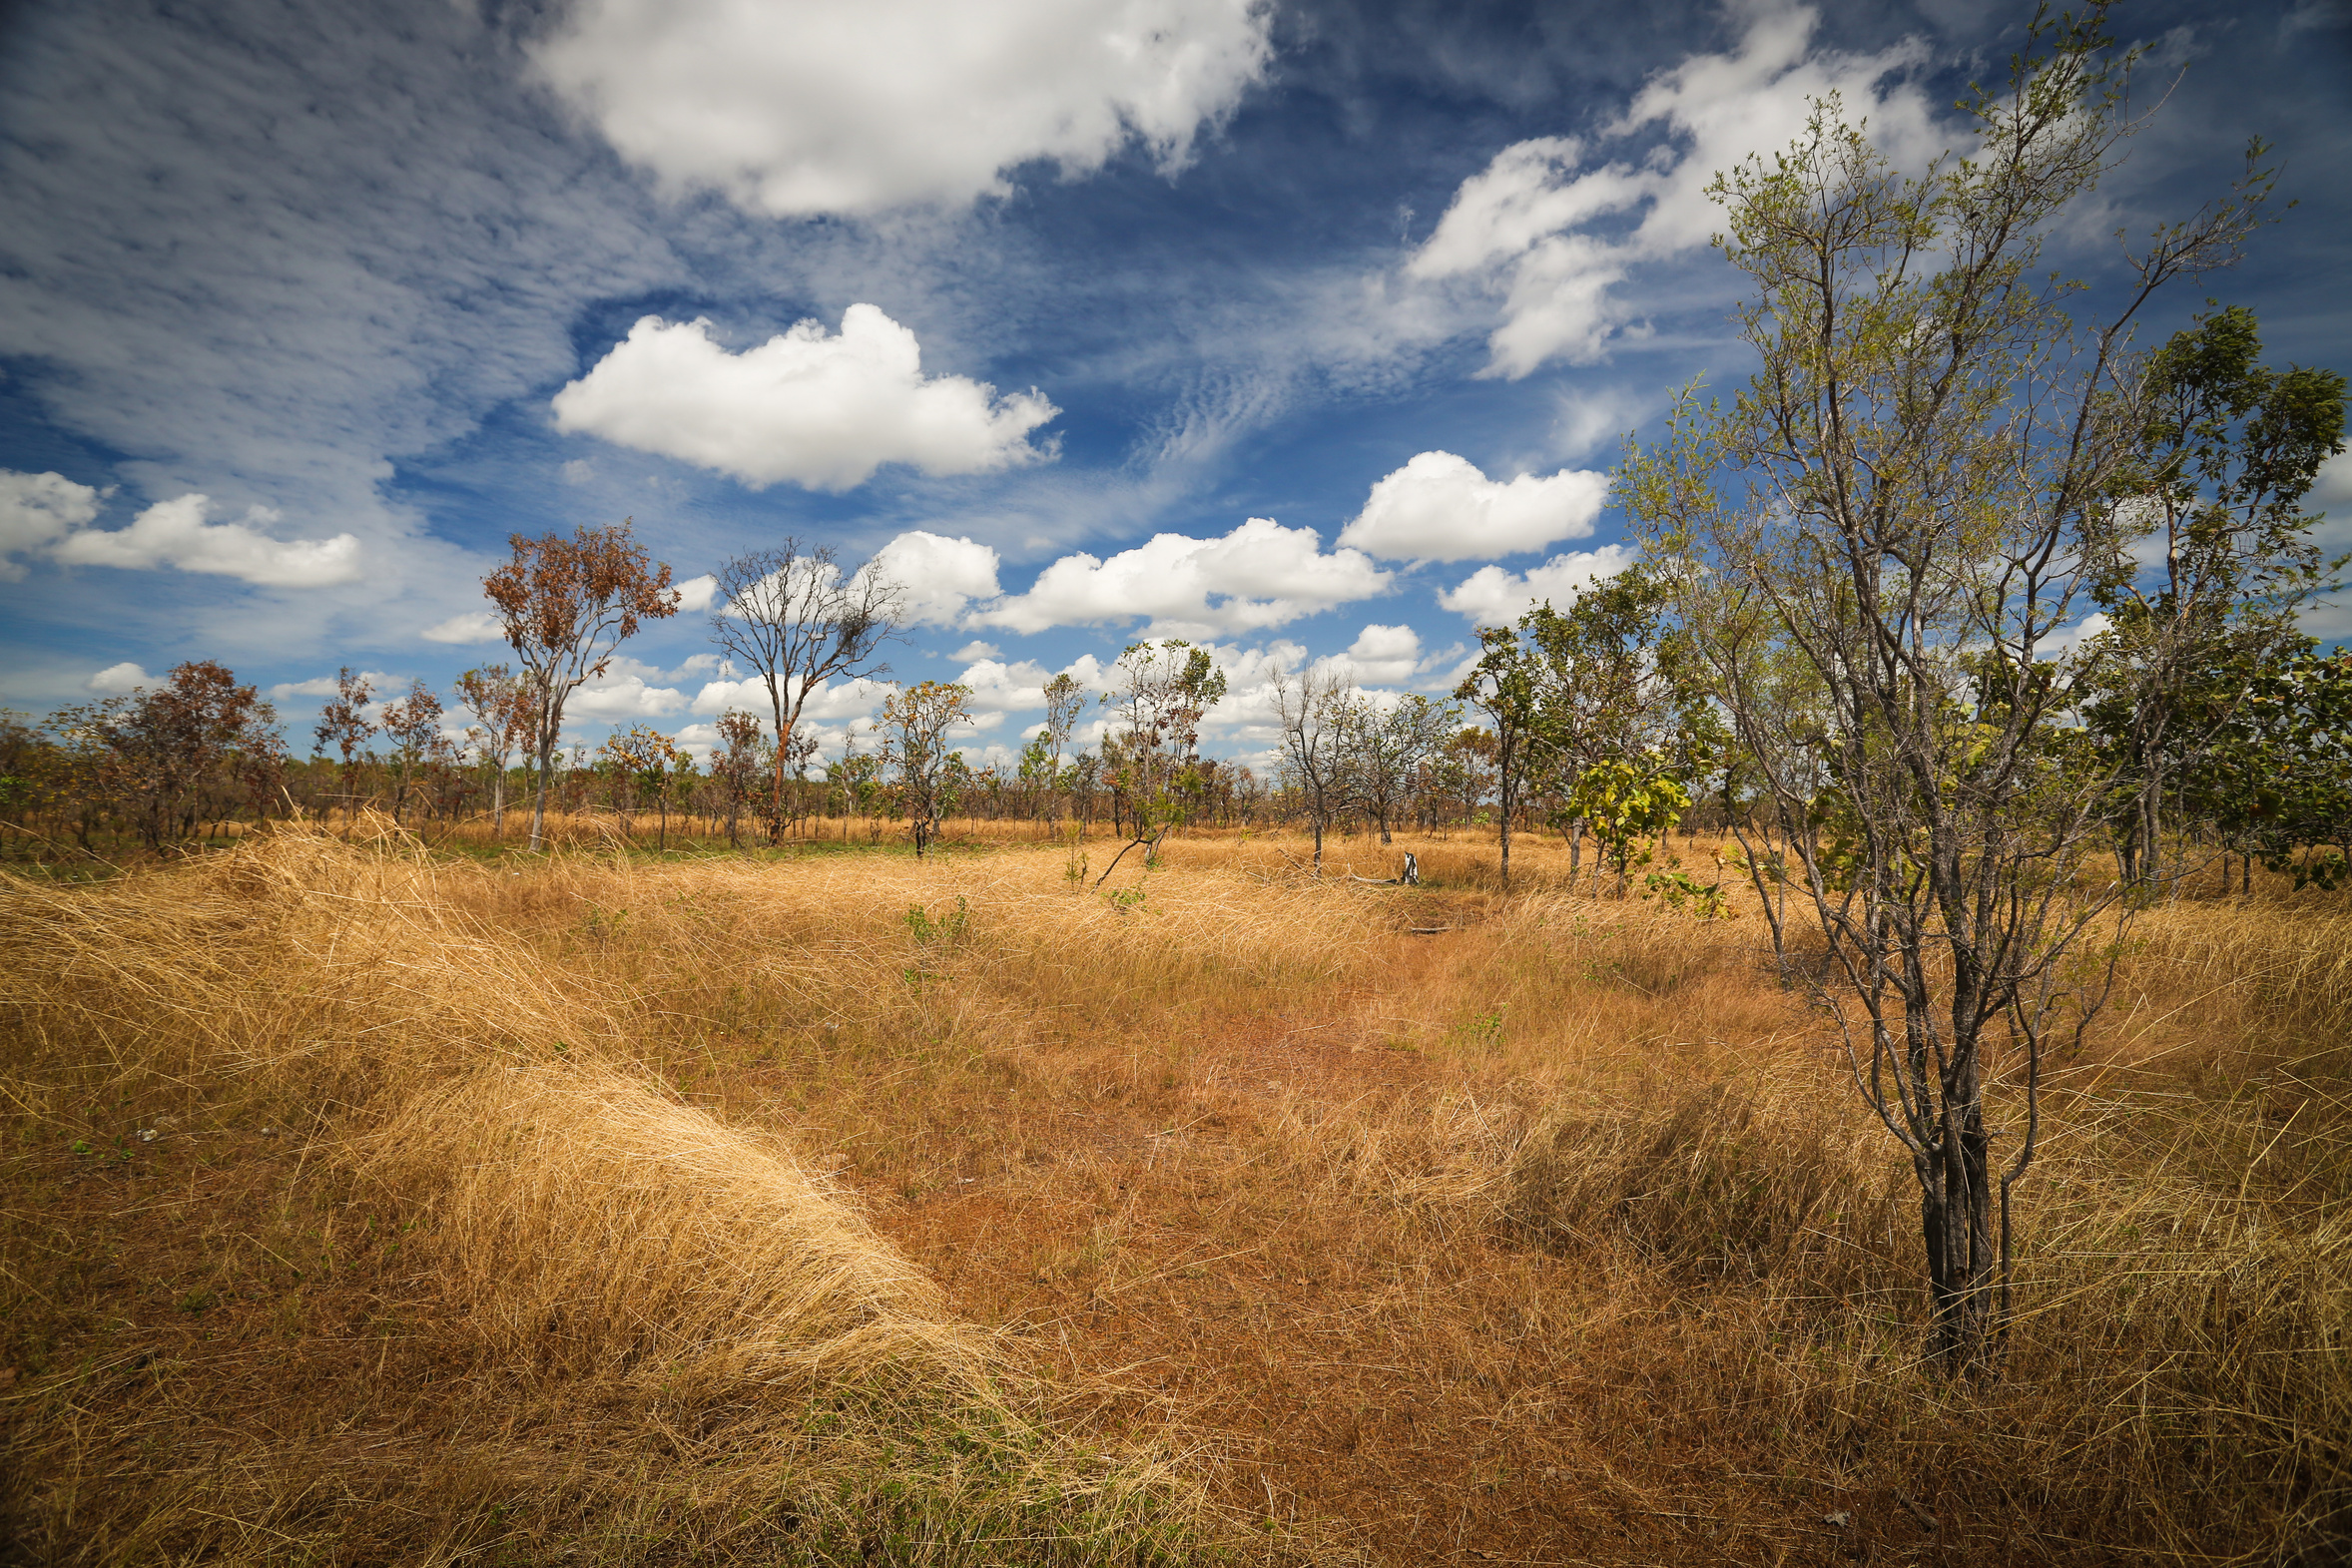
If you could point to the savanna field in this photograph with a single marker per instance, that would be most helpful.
(375, 1202)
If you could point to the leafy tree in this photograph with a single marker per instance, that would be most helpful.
(1387, 749)
(501, 707)
(344, 723)
(736, 765)
(1502, 684)
(413, 725)
(1916, 493)
(788, 615)
(161, 757)
(1158, 697)
(924, 774)
(2229, 450)
(566, 605)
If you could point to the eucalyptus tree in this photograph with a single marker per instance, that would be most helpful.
(1917, 496)
(1388, 748)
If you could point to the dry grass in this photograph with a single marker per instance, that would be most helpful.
(723, 1208)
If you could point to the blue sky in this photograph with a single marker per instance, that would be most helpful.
(1308, 330)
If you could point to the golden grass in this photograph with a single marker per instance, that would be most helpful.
(823, 1207)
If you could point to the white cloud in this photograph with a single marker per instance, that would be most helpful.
(1383, 655)
(977, 650)
(839, 106)
(820, 410)
(115, 680)
(1259, 575)
(38, 510)
(1522, 224)
(174, 533)
(846, 700)
(1492, 596)
(620, 697)
(999, 688)
(316, 686)
(695, 593)
(1439, 507)
(475, 626)
(942, 576)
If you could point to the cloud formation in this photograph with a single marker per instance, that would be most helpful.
(1258, 576)
(115, 680)
(1492, 596)
(174, 533)
(36, 511)
(821, 410)
(1439, 507)
(1526, 224)
(843, 107)
(942, 575)
(475, 626)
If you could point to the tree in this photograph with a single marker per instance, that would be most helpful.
(923, 772)
(1915, 495)
(1313, 709)
(566, 605)
(1623, 720)
(501, 707)
(790, 615)
(1386, 750)
(344, 723)
(1502, 684)
(1158, 697)
(736, 765)
(2229, 450)
(413, 725)
(162, 757)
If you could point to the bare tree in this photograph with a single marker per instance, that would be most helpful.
(1915, 498)
(1312, 712)
(790, 618)
(566, 605)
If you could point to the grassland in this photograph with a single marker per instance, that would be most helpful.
(837, 1206)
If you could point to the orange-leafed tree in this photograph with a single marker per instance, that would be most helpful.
(567, 604)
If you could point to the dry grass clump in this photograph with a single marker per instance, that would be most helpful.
(527, 1227)
(1766, 1174)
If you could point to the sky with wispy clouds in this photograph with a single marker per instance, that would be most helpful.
(1306, 329)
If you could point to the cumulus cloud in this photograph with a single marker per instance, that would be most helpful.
(942, 575)
(837, 106)
(1383, 655)
(830, 702)
(51, 514)
(695, 593)
(38, 510)
(174, 533)
(977, 650)
(823, 410)
(620, 697)
(117, 679)
(1258, 576)
(1524, 225)
(475, 626)
(1492, 596)
(1439, 507)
